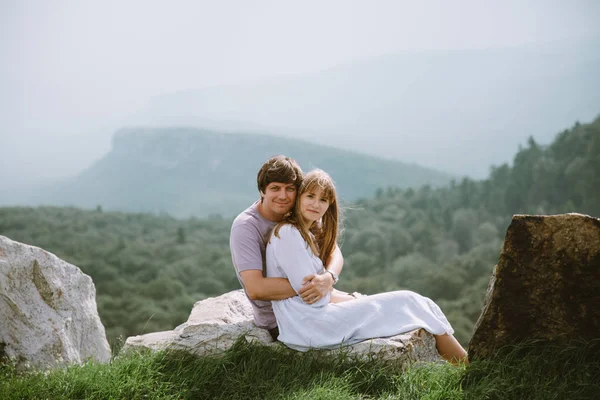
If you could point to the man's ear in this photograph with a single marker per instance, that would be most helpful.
(262, 195)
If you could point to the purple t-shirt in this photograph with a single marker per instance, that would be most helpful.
(247, 242)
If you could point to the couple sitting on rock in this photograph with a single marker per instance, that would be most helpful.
(291, 232)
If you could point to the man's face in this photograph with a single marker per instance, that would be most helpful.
(277, 200)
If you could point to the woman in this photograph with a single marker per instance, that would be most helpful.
(297, 247)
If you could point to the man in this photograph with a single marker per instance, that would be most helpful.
(278, 181)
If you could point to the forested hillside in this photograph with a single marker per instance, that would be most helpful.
(442, 242)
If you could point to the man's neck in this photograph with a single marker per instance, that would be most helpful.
(268, 216)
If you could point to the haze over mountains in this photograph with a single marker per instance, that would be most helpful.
(187, 171)
(454, 111)
(457, 111)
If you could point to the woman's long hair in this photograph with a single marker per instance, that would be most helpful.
(321, 237)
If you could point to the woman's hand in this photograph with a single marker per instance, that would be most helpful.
(315, 287)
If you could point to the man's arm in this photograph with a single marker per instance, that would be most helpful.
(245, 245)
(315, 287)
(260, 288)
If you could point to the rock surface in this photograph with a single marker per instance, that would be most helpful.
(213, 326)
(216, 323)
(546, 285)
(48, 310)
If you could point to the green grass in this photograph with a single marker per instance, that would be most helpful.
(537, 370)
(258, 372)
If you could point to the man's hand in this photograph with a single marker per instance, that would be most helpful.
(315, 287)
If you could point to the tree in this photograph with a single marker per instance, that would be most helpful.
(181, 235)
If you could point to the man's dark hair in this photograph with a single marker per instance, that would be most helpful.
(279, 169)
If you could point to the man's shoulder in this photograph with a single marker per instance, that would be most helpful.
(251, 222)
(249, 216)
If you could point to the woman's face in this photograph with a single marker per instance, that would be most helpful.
(313, 204)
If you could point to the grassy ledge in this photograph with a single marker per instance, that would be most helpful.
(248, 371)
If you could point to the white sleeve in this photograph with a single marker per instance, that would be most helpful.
(294, 258)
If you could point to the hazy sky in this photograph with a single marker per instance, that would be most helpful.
(71, 70)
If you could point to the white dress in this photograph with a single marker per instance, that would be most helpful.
(329, 325)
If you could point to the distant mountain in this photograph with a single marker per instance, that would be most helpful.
(458, 111)
(188, 171)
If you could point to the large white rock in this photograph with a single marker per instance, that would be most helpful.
(216, 323)
(213, 327)
(48, 312)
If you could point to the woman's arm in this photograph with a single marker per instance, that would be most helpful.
(321, 284)
(292, 256)
(335, 263)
